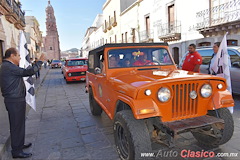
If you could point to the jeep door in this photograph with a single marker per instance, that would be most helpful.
(100, 80)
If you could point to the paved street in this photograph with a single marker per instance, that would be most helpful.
(63, 127)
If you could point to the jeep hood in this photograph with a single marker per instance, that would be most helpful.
(130, 82)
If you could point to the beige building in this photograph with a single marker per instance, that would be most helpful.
(12, 21)
(172, 21)
(33, 36)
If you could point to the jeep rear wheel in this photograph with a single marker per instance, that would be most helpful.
(131, 136)
(94, 106)
(225, 133)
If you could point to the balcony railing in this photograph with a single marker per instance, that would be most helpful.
(21, 16)
(169, 31)
(169, 28)
(9, 2)
(113, 22)
(15, 7)
(146, 35)
(224, 13)
(5, 6)
(13, 13)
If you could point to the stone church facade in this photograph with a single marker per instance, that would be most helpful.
(51, 41)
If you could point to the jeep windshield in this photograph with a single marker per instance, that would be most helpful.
(138, 57)
(76, 62)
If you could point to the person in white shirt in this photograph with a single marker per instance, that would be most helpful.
(215, 51)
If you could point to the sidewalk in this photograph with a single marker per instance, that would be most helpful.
(63, 127)
(4, 123)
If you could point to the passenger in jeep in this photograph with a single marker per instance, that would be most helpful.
(126, 63)
(142, 61)
(113, 63)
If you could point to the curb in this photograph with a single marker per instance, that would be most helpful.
(3, 147)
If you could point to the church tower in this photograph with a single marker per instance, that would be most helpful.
(51, 41)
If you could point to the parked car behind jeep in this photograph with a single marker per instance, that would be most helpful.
(149, 99)
(234, 53)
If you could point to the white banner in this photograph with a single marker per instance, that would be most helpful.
(222, 64)
(25, 62)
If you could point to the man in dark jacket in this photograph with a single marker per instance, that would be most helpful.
(14, 92)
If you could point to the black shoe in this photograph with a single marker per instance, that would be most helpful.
(22, 155)
(27, 145)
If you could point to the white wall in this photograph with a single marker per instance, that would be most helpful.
(108, 10)
(10, 32)
(129, 20)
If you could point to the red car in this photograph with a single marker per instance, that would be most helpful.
(56, 64)
(75, 69)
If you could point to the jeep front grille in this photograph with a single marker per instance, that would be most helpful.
(182, 104)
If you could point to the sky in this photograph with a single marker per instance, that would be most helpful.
(73, 17)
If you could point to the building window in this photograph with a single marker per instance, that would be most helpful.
(171, 18)
(115, 19)
(51, 48)
(147, 21)
(232, 42)
(115, 38)
(105, 24)
(126, 37)
(122, 38)
(110, 39)
(204, 44)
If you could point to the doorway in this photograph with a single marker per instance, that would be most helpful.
(176, 55)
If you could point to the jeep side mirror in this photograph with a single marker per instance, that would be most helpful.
(97, 70)
(236, 64)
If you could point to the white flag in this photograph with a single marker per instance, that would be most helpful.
(25, 62)
(222, 63)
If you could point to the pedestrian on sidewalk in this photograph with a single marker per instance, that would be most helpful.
(14, 92)
(193, 60)
(37, 74)
(45, 64)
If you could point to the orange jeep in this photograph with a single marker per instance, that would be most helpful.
(140, 87)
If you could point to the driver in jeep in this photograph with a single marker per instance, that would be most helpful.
(142, 61)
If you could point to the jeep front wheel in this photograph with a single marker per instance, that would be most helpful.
(131, 136)
(96, 110)
(225, 133)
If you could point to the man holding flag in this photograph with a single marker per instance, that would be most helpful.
(14, 93)
(220, 63)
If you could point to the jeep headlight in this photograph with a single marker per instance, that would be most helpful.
(148, 92)
(164, 94)
(206, 90)
(220, 86)
(69, 74)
